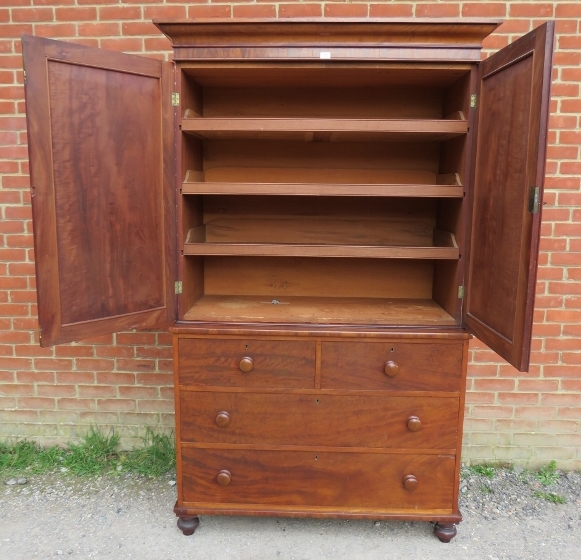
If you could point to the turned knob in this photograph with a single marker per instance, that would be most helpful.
(410, 482)
(391, 369)
(414, 424)
(223, 478)
(223, 419)
(246, 364)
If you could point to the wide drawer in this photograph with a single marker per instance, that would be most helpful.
(391, 366)
(246, 363)
(339, 479)
(319, 420)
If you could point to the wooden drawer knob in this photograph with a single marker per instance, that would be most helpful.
(414, 424)
(391, 369)
(223, 419)
(410, 482)
(246, 365)
(223, 478)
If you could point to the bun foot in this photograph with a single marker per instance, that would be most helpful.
(445, 531)
(188, 525)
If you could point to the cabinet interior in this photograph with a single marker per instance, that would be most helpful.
(317, 194)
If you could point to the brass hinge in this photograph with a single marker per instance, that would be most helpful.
(473, 101)
(178, 287)
(175, 99)
(534, 195)
(460, 292)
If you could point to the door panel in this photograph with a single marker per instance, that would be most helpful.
(511, 137)
(102, 197)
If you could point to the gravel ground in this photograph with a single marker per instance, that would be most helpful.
(53, 516)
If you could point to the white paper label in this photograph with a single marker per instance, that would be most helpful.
(325, 54)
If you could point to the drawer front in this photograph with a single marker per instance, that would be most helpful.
(246, 363)
(391, 366)
(339, 479)
(320, 420)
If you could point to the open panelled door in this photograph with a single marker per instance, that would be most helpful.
(101, 142)
(511, 139)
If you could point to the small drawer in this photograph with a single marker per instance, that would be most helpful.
(378, 481)
(391, 366)
(319, 420)
(246, 363)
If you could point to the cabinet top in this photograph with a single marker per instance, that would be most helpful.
(459, 33)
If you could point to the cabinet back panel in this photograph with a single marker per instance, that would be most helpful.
(351, 102)
(314, 277)
(319, 161)
(317, 231)
(320, 74)
(367, 209)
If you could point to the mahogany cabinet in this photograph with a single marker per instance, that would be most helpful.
(321, 211)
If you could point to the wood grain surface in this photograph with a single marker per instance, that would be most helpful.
(324, 479)
(360, 365)
(275, 363)
(321, 420)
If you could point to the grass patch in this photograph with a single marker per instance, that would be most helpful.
(548, 474)
(551, 497)
(156, 457)
(96, 454)
(485, 469)
(486, 489)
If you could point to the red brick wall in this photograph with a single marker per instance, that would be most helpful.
(125, 381)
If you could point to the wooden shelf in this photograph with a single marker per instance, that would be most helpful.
(337, 310)
(200, 240)
(319, 189)
(296, 250)
(321, 130)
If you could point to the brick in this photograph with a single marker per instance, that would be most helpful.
(551, 453)
(531, 9)
(35, 377)
(11, 389)
(123, 364)
(437, 10)
(540, 385)
(53, 364)
(390, 10)
(154, 379)
(98, 29)
(132, 392)
(209, 11)
(534, 439)
(97, 391)
(98, 418)
(59, 390)
(58, 417)
(536, 412)
(75, 377)
(512, 425)
(76, 404)
(138, 338)
(165, 11)
(34, 15)
(300, 10)
(75, 14)
(473, 397)
(115, 378)
(115, 404)
(117, 13)
(254, 11)
(486, 9)
(94, 364)
(494, 384)
(125, 44)
(482, 411)
(345, 10)
(155, 406)
(518, 398)
(36, 403)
